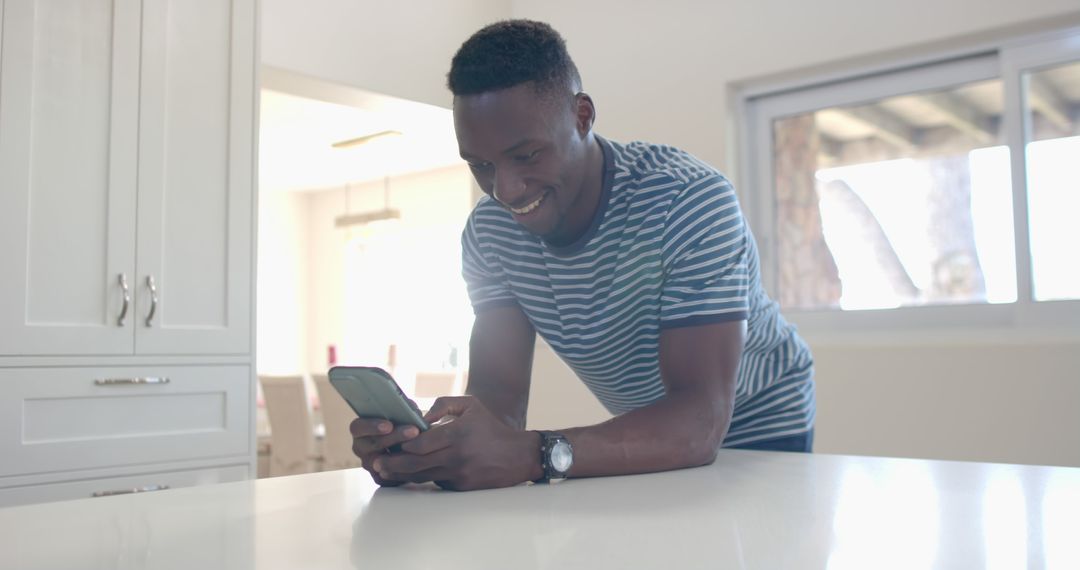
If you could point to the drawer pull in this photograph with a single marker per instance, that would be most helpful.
(145, 489)
(121, 381)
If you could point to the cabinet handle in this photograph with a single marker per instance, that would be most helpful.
(122, 381)
(127, 300)
(153, 300)
(145, 489)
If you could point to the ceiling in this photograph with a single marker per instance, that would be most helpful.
(296, 133)
(973, 110)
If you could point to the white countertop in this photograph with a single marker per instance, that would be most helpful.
(748, 510)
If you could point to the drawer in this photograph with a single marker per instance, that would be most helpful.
(68, 419)
(121, 485)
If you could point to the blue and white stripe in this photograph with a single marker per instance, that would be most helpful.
(668, 248)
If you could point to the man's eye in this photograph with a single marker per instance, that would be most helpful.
(526, 157)
(479, 165)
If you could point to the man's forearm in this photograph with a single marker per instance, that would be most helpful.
(682, 430)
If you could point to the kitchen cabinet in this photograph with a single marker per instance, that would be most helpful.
(126, 162)
(127, 200)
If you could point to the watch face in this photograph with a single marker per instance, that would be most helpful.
(562, 457)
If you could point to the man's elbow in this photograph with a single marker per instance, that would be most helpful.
(704, 444)
(703, 452)
(704, 430)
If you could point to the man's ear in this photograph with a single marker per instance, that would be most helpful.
(585, 112)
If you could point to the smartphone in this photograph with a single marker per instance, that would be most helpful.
(372, 393)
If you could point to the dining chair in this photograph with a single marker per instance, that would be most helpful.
(292, 437)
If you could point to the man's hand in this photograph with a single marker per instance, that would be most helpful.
(473, 451)
(371, 438)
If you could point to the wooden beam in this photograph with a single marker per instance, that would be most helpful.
(963, 116)
(886, 126)
(1045, 100)
(830, 149)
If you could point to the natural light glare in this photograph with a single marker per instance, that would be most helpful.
(894, 193)
(1061, 521)
(1053, 204)
(1005, 522)
(875, 526)
(878, 220)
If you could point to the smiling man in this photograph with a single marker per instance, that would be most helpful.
(633, 261)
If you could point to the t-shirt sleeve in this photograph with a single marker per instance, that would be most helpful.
(705, 256)
(484, 279)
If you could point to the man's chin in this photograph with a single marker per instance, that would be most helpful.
(550, 233)
(555, 238)
(540, 230)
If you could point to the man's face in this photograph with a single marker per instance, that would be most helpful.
(528, 151)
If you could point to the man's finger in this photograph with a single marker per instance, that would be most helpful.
(368, 445)
(400, 467)
(449, 406)
(367, 427)
(431, 441)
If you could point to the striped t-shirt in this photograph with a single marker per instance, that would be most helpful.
(668, 248)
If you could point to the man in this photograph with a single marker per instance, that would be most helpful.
(634, 263)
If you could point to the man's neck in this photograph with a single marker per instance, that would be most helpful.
(592, 189)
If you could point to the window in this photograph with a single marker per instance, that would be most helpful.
(944, 191)
(897, 202)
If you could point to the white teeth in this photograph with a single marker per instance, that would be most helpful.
(530, 207)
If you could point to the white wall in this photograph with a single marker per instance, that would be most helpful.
(1011, 403)
(395, 48)
(282, 284)
(1007, 400)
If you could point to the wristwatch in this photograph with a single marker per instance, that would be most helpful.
(556, 456)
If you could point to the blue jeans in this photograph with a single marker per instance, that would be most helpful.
(804, 442)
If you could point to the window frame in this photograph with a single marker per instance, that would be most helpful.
(757, 105)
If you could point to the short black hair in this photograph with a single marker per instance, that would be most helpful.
(509, 53)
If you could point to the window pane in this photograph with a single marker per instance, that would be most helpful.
(904, 201)
(1052, 102)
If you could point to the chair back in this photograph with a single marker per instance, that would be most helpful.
(292, 437)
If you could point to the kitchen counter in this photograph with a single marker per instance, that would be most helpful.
(747, 510)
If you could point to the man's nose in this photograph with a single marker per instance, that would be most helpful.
(509, 188)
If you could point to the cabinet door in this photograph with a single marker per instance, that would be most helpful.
(196, 162)
(68, 141)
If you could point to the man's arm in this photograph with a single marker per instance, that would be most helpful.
(500, 362)
(698, 365)
(684, 429)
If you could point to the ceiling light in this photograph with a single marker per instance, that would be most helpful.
(361, 218)
(349, 143)
(366, 218)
